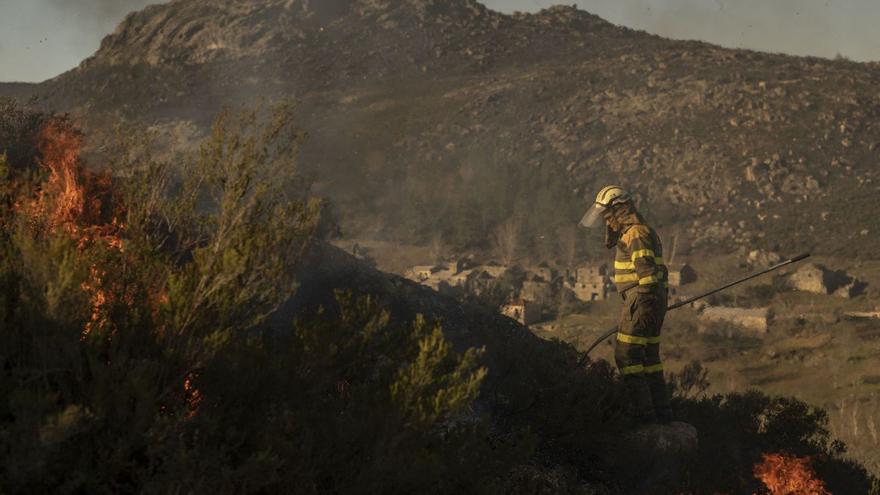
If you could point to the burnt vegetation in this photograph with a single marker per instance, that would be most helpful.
(168, 332)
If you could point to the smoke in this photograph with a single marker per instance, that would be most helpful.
(824, 28)
(40, 39)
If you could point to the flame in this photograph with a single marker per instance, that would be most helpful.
(784, 474)
(84, 205)
(72, 199)
(62, 199)
(192, 395)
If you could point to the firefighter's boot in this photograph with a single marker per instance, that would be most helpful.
(640, 398)
(659, 396)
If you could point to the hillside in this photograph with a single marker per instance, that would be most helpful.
(430, 117)
(427, 120)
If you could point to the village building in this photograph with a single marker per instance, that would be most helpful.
(543, 271)
(820, 280)
(862, 315)
(537, 290)
(441, 277)
(754, 320)
(458, 279)
(680, 275)
(588, 283)
(419, 273)
(493, 269)
(525, 312)
(478, 282)
(465, 264)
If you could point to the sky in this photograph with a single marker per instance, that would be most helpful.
(40, 39)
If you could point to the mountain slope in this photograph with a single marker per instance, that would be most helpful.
(432, 117)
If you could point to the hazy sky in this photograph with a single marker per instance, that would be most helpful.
(40, 39)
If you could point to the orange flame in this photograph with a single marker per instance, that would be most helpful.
(80, 203)
(72, 199)
(784, 474)
(62, 199)
(84, 205)
(192, 395)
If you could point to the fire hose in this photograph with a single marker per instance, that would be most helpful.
(679, 304)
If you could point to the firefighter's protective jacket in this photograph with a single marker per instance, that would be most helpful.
(639, 260)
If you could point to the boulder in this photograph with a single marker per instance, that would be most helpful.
(764, 259)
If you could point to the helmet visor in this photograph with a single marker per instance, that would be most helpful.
(593, 217)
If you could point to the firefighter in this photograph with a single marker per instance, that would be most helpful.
(641, 278)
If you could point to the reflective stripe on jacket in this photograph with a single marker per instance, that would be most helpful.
(639, 259)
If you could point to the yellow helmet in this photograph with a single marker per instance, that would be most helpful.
(607, 198)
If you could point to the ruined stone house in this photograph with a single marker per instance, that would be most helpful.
(589, 283)
(439, 277)
(680, 275)
(420, 273)
(818, 279)
(493, 269)
(755, 321)
(479, 281)
(525, 312)
(537, 290)
(543, 271)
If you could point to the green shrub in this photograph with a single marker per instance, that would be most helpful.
(134, 358)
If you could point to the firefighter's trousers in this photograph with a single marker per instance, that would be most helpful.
(638, 352)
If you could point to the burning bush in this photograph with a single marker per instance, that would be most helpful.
(133, 350)
(789, 475)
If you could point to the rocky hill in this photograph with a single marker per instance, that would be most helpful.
(431, 117)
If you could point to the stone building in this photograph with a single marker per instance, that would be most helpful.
(755, 320)
(589, 282)
(681, 275)
(525, 312)
(543, 271)
(493, 269)
(458, 279)
(820, 280)
(420, 273)
(439, 277)
(537, 290)
(479, 281)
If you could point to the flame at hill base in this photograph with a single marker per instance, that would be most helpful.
(72, 201)
(82, 204)
(784, 474)
(71, 198)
